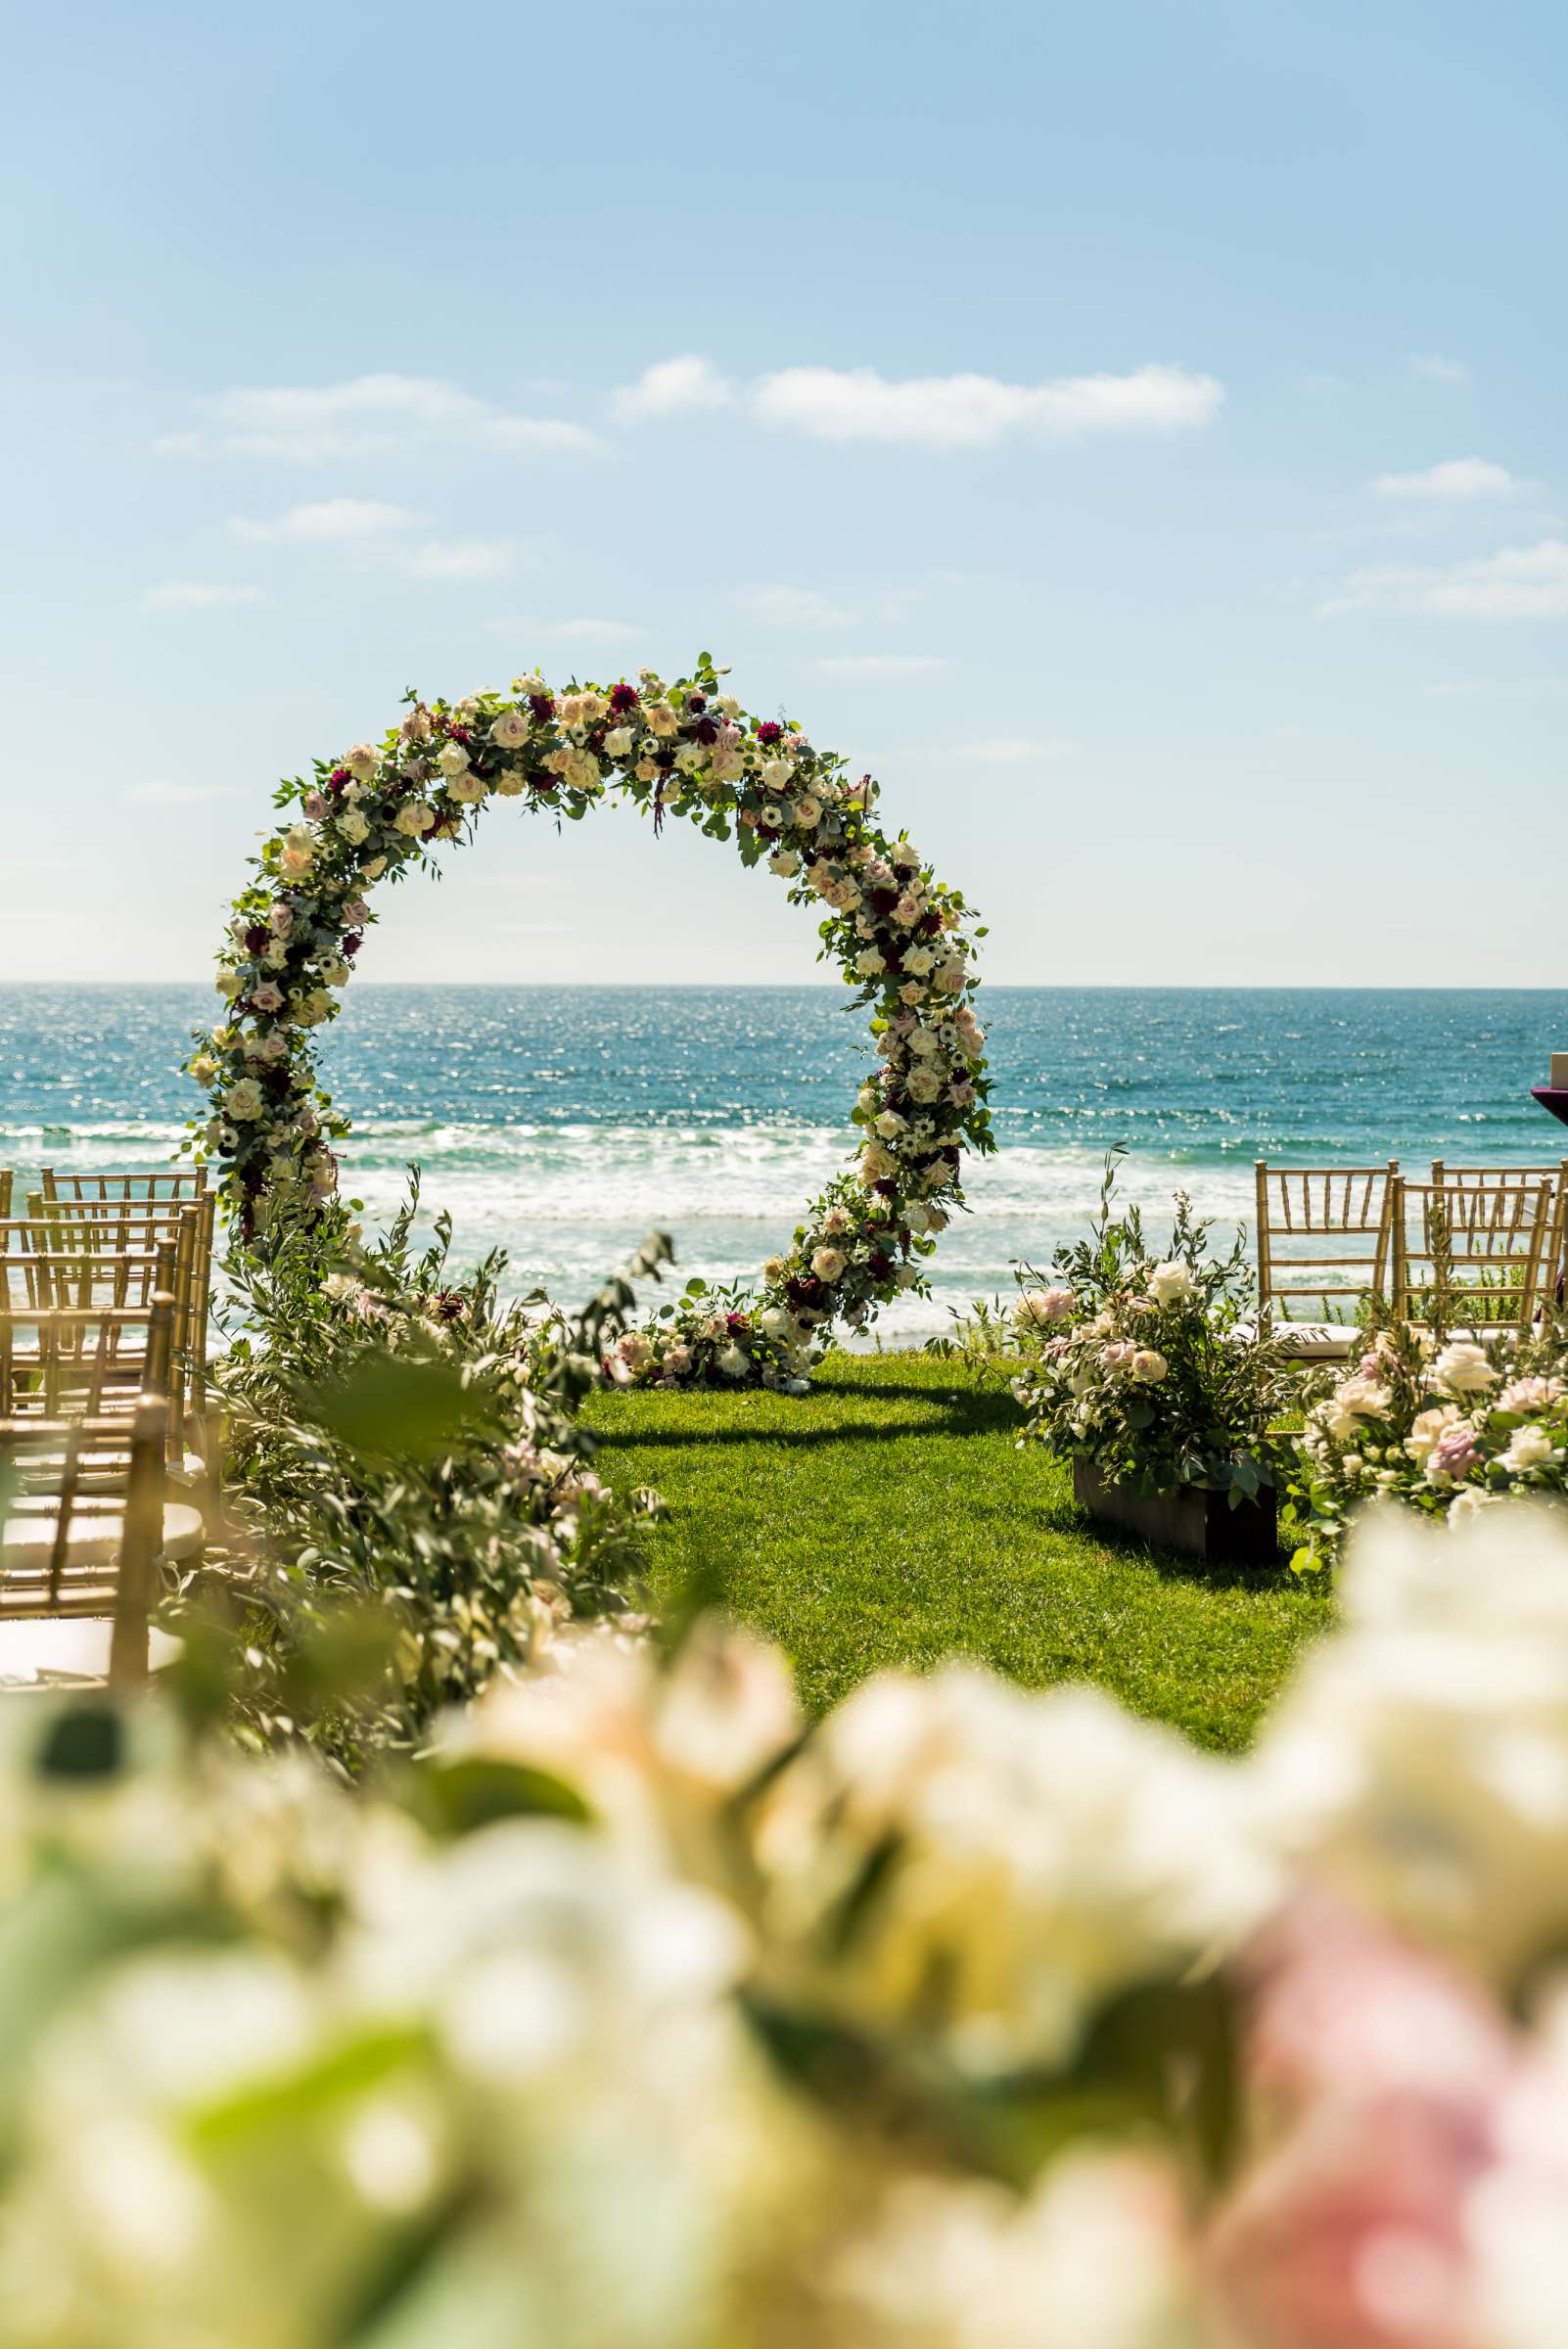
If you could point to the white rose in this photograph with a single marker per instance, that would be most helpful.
(228, 983)
(510, 730)
(353, 827)
(244, 1101)
(374, 869)
(1426, 1427)
(1463, 1369)
(785, 864)
(807, 813)
(923, 1084)
(1529, 1447)
(828, 1264)
(452, 758)
(204, 1068)
(509, 782)
(662, 721)
(414, 819)
(299, 852)
(889, 1124)
(776, 773)
(1149, 1366)
(1170, 1283)
(869, 962)
(733, 1363)
(362, 761)
(468, 789)
(618, 742)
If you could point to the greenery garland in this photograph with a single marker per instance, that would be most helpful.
(686, 750)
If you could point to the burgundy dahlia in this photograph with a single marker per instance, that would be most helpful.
(623, 697)
(705, 731)
(737, 1323)
(352, 943)
(770, 731)
(542, 706)
(258, 938)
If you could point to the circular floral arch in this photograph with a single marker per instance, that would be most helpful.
(684, 749)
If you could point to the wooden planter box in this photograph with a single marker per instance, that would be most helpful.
(1203, 1524)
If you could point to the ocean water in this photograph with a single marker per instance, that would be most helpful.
(563, 1123)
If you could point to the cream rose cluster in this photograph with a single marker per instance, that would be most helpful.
(684, 749)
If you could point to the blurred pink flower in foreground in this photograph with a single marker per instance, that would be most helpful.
(1380, 2076)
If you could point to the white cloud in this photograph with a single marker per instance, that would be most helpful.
(1519, 582)
(458, 559)
(368, 415)
(1014, 749)
(176, 795)
(1433, 368)
(334, 520)
(199, 595)
(871, 666)
(975, 412)
(938, 411)
(1459, 479)
(673, 388)
(794, 607)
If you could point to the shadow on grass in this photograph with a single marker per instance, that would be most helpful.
(944, 1415)
(1179, 1565)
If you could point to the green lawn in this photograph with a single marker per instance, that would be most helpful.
(887, 1518)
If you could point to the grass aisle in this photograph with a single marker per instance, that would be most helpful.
(887, 1518)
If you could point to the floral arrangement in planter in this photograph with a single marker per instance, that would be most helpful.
(899, 935)
(1150, 1366)
(1435, 1420)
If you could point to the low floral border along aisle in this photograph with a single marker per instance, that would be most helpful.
(682, 749)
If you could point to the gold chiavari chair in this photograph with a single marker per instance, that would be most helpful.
(48, 1262)
(127, 1217)
(1324, 1240)
(85, 1524)
(139, 1227)
(6, 1181)
(1488, 1242)
(1465, 1179)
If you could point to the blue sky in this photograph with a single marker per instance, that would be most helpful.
(1133, 432)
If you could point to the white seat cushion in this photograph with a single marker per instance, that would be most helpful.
(27, 1538)
(1320, 1341)
(58, 1650)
